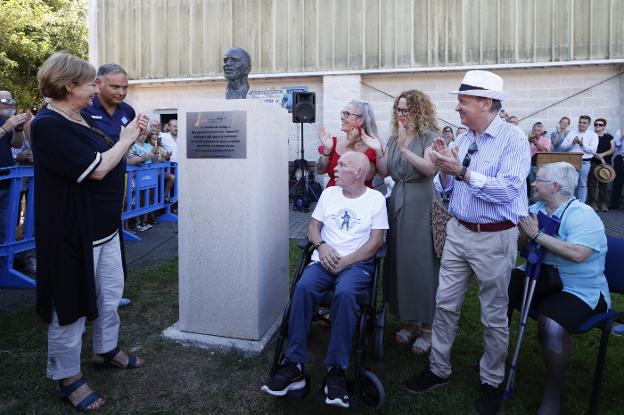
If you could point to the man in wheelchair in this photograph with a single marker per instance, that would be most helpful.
(346, 228)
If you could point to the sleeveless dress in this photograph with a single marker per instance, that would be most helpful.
(410, 277)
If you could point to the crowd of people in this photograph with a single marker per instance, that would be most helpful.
(82, 140)
(486, 171)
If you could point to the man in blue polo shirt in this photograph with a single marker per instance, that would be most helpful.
(11, 135)
(109, 112)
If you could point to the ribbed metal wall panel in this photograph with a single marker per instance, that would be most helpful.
(156, 39)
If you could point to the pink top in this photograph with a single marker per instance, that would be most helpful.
(543, 140)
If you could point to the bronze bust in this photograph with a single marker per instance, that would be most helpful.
(236, 68)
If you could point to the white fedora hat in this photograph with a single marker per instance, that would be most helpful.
(482, 84)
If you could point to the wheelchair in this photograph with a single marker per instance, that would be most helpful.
(365, 386)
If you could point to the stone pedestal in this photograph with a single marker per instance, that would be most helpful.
(233, 232)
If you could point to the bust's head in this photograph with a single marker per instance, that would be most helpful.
(236, 64)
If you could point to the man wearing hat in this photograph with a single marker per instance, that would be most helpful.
(486, 171)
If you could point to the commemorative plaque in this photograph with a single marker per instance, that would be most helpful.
(216, 134)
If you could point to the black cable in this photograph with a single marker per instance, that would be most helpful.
(572, 96)
(393, 97)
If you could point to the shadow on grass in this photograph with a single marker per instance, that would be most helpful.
(179, 379)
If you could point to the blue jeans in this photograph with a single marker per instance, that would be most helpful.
(4, 213)
(351, 283)
(581, 188)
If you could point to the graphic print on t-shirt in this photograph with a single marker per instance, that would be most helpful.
(346, 219)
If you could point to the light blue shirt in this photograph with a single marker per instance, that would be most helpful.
(580, 225)
(498, 171)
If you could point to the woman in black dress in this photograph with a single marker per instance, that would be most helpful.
(79, 175)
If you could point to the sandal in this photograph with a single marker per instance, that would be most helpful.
(110, 363)
(83, 405)
(405, 336)
(421, 346)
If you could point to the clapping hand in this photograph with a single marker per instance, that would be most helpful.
(326, 140)
(529, 225)
(17, 120)
(445, 159)
(371, 141)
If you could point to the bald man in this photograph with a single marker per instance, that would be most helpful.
(346, 229)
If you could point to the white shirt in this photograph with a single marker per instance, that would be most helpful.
(589, 147)
(170, 144)
(347, 223)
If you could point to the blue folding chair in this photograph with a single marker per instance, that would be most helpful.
(615, 277)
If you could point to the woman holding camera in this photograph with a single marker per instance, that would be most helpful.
(79, 179)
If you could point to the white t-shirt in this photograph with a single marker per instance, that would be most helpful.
(169, 144)
(347, 223)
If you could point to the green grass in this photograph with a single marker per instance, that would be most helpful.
(179, 379)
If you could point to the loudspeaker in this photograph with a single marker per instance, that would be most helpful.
(304, 107)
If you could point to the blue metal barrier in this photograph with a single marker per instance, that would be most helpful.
(10, 244)
(145, 193)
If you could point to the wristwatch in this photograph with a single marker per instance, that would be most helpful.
(461, 174)
(318, 245)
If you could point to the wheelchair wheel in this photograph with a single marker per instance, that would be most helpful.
(372, 392)
(380, 331)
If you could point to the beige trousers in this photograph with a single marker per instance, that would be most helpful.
(491, 256)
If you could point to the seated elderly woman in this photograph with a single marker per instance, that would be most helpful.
(578, 250)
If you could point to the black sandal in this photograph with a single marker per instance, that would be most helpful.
(108, 360)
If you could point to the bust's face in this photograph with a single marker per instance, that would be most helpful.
(235, 64)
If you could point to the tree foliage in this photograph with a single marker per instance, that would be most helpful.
(33, 30)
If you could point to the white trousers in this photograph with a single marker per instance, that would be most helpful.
(65, 342)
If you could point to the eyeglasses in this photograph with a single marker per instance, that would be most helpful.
(401, 111)
(471, 150)
(7, 101)
(599, 124)
(346, 114)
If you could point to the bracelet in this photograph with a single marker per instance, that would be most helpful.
(4, 130)
(327, 155)
(536, 235)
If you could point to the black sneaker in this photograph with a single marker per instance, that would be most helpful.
(336, 388)
(488, 402)
(424, 381)
(287, 378)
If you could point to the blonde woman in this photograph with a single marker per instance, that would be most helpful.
(410, 270)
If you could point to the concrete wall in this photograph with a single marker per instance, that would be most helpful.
(531, 90)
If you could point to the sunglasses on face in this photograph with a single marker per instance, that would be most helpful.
(471, 150)
(8, 101)
(598, 124)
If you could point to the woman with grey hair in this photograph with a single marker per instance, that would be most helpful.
(357, 120)
(578, 251)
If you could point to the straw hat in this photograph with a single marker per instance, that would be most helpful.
(604, 173)
(482, 84)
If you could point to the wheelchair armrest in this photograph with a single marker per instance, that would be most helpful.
(304, 243)
(381, 252)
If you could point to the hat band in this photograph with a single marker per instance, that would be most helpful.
(466, 87)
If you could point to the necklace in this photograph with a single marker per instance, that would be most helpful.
(79, 120)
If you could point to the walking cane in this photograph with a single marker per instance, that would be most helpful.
(548, 225)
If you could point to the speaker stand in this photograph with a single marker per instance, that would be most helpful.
(302, 186)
